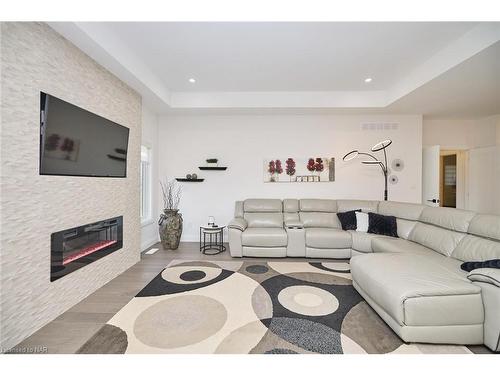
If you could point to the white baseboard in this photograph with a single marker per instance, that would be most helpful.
(148, 243)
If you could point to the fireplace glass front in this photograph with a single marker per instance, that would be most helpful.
(74, 248)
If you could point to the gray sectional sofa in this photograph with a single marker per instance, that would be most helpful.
(414, 282)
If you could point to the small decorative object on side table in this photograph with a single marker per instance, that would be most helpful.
(212, 239)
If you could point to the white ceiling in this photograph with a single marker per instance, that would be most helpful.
(285, 56)
(430, 68)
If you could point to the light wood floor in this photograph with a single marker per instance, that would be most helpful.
(68, 332)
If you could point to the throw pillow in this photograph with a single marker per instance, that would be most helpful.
(348, 219)
(469, 266)
(381, 224)
(361, 222)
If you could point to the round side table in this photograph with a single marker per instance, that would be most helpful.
(212, 240)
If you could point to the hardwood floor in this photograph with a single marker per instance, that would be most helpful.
(69, 331)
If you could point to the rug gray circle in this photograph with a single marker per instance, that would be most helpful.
(192, 275)
(180, 321)
(257, 269)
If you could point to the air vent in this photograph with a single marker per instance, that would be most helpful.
(380, 126)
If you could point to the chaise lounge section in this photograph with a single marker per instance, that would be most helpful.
(414, 281)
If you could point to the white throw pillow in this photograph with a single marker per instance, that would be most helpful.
(361, 222)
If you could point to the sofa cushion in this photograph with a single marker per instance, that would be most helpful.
(264, 237)
(328, 238)
(418, 290)
(290, 205)
(319, 220)
(449, 218)
(264, 219)
(318, 205)
(442, 240)
(407, 211)
(352, 205)
(363, 241)
(485, 226)
(405, 227)
(474, 249)
(383, 244)
(381, 224)
(263, 205)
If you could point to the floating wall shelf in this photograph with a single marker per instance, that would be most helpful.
(213, 168)
(190, 179)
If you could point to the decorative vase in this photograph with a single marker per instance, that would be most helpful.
(170, 229)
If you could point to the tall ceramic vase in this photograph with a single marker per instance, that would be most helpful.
(170, 229)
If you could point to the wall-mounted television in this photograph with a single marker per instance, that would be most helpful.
(76, 142)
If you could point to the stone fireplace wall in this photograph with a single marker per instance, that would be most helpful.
(35, 58)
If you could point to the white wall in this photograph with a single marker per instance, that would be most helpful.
(459, 134)
(242, 142)
(35, 58)
(149, 230)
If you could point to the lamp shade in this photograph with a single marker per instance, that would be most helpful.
(381, 145)
(351, 155)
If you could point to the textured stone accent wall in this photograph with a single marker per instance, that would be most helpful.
(35, 58)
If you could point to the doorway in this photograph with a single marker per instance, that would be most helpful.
(448, 180)
(452, 178)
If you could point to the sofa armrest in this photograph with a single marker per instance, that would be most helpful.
(297, 224)
(485, 275)
(238, 223)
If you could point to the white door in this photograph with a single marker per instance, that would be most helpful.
(430, 175)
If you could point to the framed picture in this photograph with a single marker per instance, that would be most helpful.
(312, 169)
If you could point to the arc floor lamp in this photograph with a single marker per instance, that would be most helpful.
(381, 146)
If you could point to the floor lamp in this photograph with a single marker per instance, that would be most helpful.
(381, 146)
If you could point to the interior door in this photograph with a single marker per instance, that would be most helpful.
(430, 175)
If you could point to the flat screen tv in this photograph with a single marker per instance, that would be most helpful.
(76, 142)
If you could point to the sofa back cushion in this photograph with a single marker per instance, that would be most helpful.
(264, 219)
(319, 220)
(407, 211)
(485, 226)
(263, 213)
(476, 249)
(449, 218)
(318, 205)
(263, 205)
(442, 240)
(345, 205)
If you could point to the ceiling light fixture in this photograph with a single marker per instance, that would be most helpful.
(191, 80)
(368, 80)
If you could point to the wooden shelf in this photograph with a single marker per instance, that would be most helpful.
(213, 168)
(190, 180)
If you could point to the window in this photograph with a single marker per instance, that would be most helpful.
(145, 184)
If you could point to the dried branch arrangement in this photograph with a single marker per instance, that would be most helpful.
(172, 193)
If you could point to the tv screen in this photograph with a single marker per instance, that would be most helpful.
(76, 142)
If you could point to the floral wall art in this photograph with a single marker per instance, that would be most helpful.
(311, 169)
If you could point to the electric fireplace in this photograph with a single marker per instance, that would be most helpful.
(74, 248)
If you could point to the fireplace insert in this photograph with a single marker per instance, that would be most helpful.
(74, 248)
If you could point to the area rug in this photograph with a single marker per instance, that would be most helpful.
(251, 307)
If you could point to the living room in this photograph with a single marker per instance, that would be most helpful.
(244, 187)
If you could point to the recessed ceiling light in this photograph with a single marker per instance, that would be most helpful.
(368, 80)
(191, 80)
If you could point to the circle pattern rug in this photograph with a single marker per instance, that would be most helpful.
(251, 307)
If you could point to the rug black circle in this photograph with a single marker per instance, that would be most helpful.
(257, 269)
(192, 275)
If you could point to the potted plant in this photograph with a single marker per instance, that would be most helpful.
(170, 222)
(212, 162)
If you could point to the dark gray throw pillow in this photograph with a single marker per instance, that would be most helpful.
(469, 266)
(381, 224)
(348, 219)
